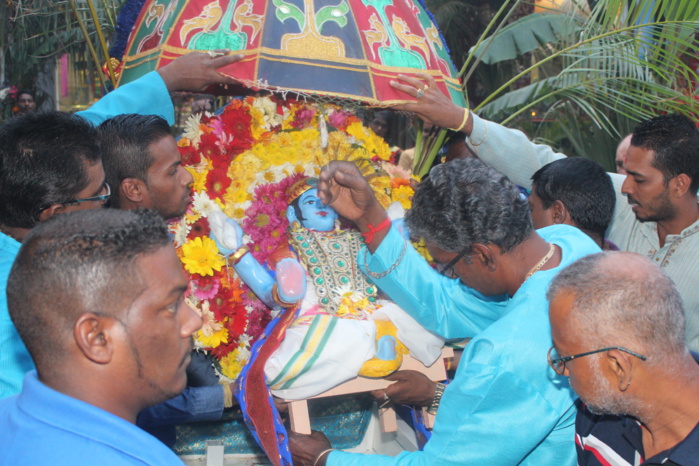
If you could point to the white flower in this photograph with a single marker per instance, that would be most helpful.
(203, 204)
(180, 231)
(243, 355)
(191, 129)
(269, 110)
(244, 340)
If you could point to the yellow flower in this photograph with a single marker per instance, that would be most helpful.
(201, 256)
(231, 366)
(403, 194)
(199, 179)
(213, 339)
(421, 248)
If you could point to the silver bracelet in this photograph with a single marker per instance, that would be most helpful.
(388, 270)
(438, 392)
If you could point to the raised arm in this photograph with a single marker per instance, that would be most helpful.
(442, 305)
(507, 150)
(150, 94)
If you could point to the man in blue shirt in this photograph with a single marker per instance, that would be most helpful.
(504, 406)
(51, 164)
(617, 323)
(98, 298)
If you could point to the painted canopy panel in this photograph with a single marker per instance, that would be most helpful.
(337, 48)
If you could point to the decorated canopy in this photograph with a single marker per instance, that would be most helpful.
(347, 49)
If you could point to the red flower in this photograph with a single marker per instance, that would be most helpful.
(217, 182)
(199, 228)
(223, 349)
(190, 155)
(211, 150)
(237, 123)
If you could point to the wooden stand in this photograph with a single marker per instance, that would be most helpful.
(298, 409)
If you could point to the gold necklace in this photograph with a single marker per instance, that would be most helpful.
(541, 263)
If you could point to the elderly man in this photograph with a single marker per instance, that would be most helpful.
(504, 406)
(656, 212)
(618, 332)
(98, 298)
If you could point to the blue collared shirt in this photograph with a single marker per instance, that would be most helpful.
(43, 426)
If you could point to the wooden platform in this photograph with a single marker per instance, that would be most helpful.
(298, 409)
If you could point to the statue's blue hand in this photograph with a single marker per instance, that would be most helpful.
(291, 280)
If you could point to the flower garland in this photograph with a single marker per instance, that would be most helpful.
(243, 161)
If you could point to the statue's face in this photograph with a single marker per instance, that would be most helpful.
(317, 216)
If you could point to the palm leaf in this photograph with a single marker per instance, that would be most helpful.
(525, 35)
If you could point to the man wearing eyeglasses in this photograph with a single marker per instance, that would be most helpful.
(504, 405)
(50, 164)
(618, 330)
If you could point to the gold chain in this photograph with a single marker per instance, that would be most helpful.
(541, 263)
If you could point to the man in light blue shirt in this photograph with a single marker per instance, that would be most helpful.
(98, 298)
(505, 405)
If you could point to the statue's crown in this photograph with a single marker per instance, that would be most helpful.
(300, 187)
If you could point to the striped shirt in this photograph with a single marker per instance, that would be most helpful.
(618, 441)
(513, 154)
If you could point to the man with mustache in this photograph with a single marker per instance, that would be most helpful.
(143, 164)
(98, 298)
(656, 212)
(618, 332)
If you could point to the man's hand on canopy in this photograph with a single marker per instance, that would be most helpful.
(431, 105)
(198, 70)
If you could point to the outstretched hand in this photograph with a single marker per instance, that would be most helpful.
(431, 105)
(411, 388)
(198, 70)
(305, 449)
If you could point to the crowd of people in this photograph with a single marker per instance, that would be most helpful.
(580, 302)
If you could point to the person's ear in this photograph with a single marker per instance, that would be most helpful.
(483, 254)
(620, 365)
(52, 210)
(559, 212)
(132, 190)
(93, 335)
(291, 214)
(679, 185)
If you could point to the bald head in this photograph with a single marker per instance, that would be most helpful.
(622, 299)
(621, 150)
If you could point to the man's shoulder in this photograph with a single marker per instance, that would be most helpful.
(70, 431)
(574, 243)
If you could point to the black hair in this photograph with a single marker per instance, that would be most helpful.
(26, 91)
(583, 187)
(124, 142)
(675, 140)
(43, 161)
(464, 202)
(297, 209)
(77, 262)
